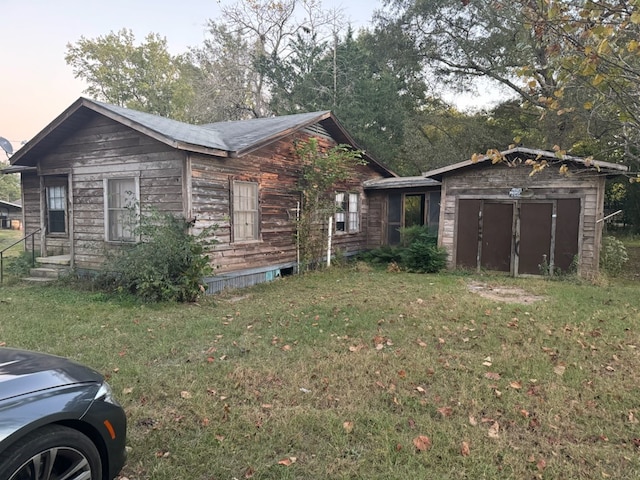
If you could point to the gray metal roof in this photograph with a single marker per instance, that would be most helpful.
(605, 167)
(400, 182)
(228, 139)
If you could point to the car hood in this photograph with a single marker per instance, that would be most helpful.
(23, 372)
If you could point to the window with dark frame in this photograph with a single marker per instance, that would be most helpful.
(57, 209)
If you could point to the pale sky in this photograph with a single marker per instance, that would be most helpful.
(36, 84)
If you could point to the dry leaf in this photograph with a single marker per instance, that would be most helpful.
(542, 464)
(286, 348)
(184, 394)
(472, 421)
(421, 343)
(445, 411)
(127, 391)
(287, 461)
(348, 427)
(422, 443)
(464, 449)
(559, 369)
(492, 375)
(516, 385)
(494, 430)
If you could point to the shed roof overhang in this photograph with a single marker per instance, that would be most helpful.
(610, 169)
(400, 183)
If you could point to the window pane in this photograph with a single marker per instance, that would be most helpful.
(245, 211)
(354, 213)
(121, 211)
(56, 207)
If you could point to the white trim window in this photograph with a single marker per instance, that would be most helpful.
(57, 209)
(245, 211)
(347, 218)
(122, 198)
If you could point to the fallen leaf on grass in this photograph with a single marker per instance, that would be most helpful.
(494, 430)
(445, 411)
(249, 472)
(162, 454)
(516, 385)
(492, 376)
(286, 348)
(348, 427)
(464, 449)
(356, 348)
(559, 369)
(422, 443)
(127, 391)
(186, 395)
(287, 461)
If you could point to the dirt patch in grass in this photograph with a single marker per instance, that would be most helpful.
(503, 294)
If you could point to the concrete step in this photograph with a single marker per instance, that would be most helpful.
(45, 272)
(39, 279)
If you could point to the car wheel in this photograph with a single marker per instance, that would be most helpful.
(52, 453)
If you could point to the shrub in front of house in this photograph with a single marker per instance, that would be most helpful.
(167, 264)
(418, 252)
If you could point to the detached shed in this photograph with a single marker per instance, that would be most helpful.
(10, 215)
(504, 217)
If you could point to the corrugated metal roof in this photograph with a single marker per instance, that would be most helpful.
(400, 182)
(606, 167)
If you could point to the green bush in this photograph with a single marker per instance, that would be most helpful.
(418, 252)
(613, 256)
(168, 264)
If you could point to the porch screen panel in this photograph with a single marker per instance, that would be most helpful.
(245, 211)
(56, 206)
(394, 218)
(122, 219)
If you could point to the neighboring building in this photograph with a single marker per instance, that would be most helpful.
(10, 216)
(503, 217)
(84, 169)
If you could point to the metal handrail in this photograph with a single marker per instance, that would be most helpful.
(23, 239)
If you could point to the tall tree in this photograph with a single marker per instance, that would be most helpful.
(145, 76)
(371, 92)
(232, 62)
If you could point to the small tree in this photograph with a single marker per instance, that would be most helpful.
(168, 264)
(321, 171)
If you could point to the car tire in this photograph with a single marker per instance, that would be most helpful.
(49, 453)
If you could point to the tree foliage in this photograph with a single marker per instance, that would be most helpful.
(9, 186)
(144, 77)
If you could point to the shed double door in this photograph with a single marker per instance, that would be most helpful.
(517, 236)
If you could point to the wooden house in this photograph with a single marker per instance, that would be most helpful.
(94, 160)
(532, 212)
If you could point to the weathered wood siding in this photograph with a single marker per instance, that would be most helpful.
(276, 171)
(100, 150)
(495, 183)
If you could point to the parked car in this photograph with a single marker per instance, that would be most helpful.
(58, 420)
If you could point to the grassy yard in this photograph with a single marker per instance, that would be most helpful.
(361, 374)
